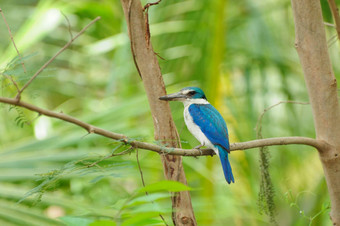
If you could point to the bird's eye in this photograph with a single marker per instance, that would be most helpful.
(191, 93)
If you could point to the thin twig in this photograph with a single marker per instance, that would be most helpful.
(140, 171)
(143, 182)
(258, 126)
(332, 40)
(10, 34)
(110, 156)
(157, 54)
(146, 7)
(57, 54)
(14, 83)
(68, 25)
(146, 10)
(19, 55)
(335, 13)
(329, 24)
(318, 144)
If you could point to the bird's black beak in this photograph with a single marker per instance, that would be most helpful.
(173, 97)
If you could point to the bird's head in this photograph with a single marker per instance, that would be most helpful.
(186, 94)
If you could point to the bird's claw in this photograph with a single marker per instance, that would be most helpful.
(199, 148)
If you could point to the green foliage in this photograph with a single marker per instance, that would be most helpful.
(83, 167)
(73, 221)
(172, 186)
(103, 223)
(267, 193)
(151, 197)
(21, 119)
(294, 203)
(20, 215)
(14, 67)
(241, 53)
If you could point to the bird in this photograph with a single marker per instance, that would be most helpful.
(205, 123)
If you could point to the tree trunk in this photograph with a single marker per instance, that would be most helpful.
(312, 48)
(165, 129)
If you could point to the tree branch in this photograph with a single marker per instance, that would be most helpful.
(335, 13)
(146, 7)
(311, 46)
(57, 54)
(318, 144)
(15, 46)
(68, 25)
(164, 127)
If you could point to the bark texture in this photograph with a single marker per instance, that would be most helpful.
(312, 48)
(165, 130)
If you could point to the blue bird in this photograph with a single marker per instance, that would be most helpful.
(205, 123)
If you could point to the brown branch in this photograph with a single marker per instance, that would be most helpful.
(131, 44)
(146, 7)
(57, 54)
(311, 46)
(335, 13)
(165, 130)
(318, 144)
(146, 10)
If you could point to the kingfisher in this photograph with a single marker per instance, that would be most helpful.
(205, 123)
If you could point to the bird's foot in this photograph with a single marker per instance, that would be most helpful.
(199, 148)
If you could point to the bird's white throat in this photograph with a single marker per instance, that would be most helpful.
(187, 102)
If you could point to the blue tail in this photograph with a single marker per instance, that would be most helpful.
(228, 174)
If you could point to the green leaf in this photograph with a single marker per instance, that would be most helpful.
(146, 208)
(75, 221)
(119, 204)
(148, 198)
(17, 60)
(96, 179)
(142, 219)
(166, 185)
(103, 223)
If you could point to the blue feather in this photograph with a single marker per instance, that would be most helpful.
(211, 123)
(215, 129)
(228, 173)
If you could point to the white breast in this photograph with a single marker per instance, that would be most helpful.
(195, 129)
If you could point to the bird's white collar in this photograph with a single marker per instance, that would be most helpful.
(188, 102)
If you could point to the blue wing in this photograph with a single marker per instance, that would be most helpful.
(211, 123)
(215, 129)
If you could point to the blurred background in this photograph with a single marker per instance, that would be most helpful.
(241, 53)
